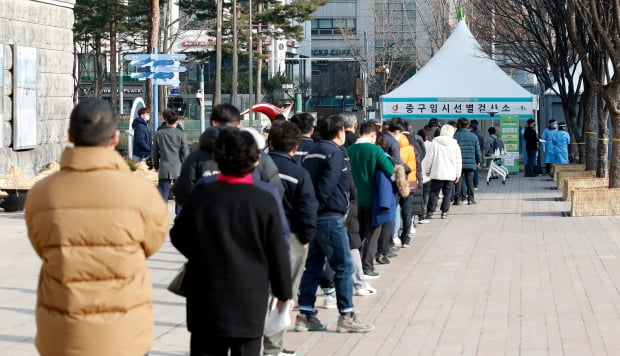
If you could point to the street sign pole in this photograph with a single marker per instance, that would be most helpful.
(155, 119)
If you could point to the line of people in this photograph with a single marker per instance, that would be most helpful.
(259, 222)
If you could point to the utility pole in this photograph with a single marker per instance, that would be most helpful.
(217, 94)
(235, 58)
(201, 93)
(250, 72)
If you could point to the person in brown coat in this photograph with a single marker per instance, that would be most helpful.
(93, 224)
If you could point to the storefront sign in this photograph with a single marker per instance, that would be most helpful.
(331, 52)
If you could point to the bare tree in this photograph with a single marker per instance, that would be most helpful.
(600, 22)
(531, 35)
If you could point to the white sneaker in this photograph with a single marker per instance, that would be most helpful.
(412, 230)
(362, 292)
(330, 301)
(423, 221)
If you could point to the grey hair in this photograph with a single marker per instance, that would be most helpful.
(349, 119)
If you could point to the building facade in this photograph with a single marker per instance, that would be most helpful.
(36, 81)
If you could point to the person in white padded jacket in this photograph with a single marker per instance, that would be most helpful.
(443, 165)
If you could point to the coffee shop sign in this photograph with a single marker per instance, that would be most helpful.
(331, 52)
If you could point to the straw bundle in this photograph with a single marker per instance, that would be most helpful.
(582, 182)
(566, 167)
(595, 201)
(49, 169)
(142, 170)
(15, 179)
(570, 174)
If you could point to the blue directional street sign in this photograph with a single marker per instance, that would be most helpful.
(149, 75)
(160, 67)
(139, 60)
(166, 81)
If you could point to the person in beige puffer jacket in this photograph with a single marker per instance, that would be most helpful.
(93, 224)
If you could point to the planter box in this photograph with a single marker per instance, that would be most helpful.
(572, 174)
(14, 201)
(595, 201)
(582, 182)
(566, 167)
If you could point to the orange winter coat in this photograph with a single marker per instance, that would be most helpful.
(407, 154)
(94, 224)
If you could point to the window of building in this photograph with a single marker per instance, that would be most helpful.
(328, 26)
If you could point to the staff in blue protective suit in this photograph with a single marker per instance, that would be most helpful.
(560, 141)
(547, 146)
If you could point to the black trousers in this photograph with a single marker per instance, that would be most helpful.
(446, 187)
(204, 344)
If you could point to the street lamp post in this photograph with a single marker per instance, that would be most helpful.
(250, 71)
(201, 97)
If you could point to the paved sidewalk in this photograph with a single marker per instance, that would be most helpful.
(507, 276)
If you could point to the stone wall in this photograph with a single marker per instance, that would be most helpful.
(47, 26)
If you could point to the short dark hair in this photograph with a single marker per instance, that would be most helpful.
(284, 136)
(452, 123)
(330, 126)
(225, 113)
(492, 130)
(143, 110)
(423, 133)
(170, 116)
(462, 123)
(235, 152)
(368, 127)
(92, 123)
(396, 124)
(304, 121)
(381, 142)
(279, 117)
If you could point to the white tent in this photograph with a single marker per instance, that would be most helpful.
(459, 81)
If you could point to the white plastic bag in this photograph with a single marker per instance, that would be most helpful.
(276, 321)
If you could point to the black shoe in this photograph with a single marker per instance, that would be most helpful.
(456, 202)
(381, 259)
(444, 215)
(391, 254)
(471, 202)
(429, 215)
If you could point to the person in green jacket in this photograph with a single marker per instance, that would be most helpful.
(366, 158)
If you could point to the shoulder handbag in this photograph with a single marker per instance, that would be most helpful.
(177, 285)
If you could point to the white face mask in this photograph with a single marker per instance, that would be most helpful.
(146, 117)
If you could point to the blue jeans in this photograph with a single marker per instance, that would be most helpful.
(163, 185)
(331, 242)
(476, 177)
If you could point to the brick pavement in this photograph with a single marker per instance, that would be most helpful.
(508, 276)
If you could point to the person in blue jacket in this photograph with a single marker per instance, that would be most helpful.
(560, 141)
(547, 146)
(142, 140)
(327, 168)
